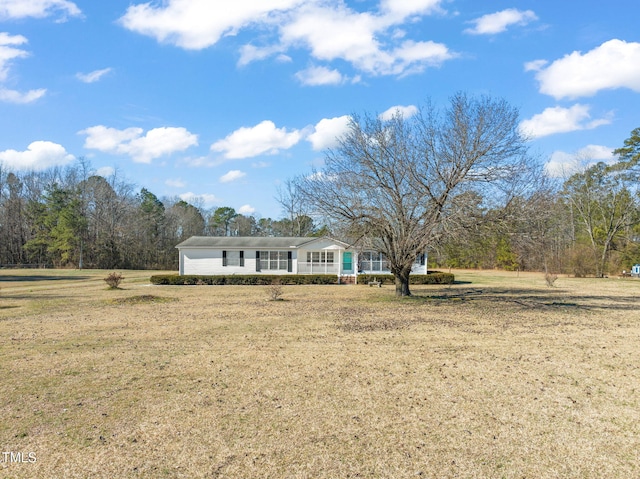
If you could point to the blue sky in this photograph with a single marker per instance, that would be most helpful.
(219, 102)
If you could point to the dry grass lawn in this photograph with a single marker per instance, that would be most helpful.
(498, 376)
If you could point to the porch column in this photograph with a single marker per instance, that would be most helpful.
(355, 265)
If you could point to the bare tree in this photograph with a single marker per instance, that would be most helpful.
(402, 184)
(297, 221)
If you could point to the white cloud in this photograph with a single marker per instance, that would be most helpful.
(561, 120)
(246, 210)
(335, 32)
(198, 162)
(206, 199)
(251, 53)
(198, 24)
(93, 76)
(563, 165)
(232, 175)
(105, 171)
(413, 57)
(160, 142)
(401, 9)
(282, 58)
(264, 138)
(597, 153)
(327, 131)
(13, 96)
(499, 22)
(328, 29)
(535, 65)
(314, 76)
(37, 8)
(9, 52)
(107, 139)
(142, 149)
(39, 155)
(406, 112)
(176, 183)
(260, 164)
(614, 64)
(321, 176)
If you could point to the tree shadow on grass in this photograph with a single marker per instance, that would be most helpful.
(527, 298)
(26, 279)
(36, 297)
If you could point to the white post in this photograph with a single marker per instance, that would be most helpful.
(354, 265)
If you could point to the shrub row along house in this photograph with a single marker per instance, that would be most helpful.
(227, 255)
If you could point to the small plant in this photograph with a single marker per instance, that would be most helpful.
(113, 280)
(275, 290)
(550, 279)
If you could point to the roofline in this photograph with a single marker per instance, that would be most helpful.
(311, 240)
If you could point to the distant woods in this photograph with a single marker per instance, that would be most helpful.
(70, 218)
(584, 224)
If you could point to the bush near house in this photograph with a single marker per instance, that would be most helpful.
(266, 279)
(244, 279)
(433, 277)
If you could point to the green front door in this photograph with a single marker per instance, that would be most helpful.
(347, 262)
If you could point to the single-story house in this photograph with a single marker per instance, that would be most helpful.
(224, 255)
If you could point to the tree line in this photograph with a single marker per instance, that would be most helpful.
(459, 184)
(73, 218)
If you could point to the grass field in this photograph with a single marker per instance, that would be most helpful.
(498, 376)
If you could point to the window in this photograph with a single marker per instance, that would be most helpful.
(233, 258)
(274, 260)
(320, 256)
(373, 261)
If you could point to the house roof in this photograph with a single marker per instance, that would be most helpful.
(251, 242)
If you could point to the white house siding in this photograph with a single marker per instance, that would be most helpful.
(207, 261)
(197, 261)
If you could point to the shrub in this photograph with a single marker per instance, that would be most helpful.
(113, 280)
(433, 277)
(275, 290)
(243, 279)
(582, 262)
